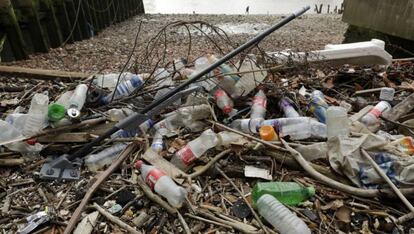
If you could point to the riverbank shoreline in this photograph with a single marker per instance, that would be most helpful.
(108, 51)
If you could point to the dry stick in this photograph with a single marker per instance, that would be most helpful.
(154, 197)
(244, 199)
(209, 164)
(208, 221)
(183, 223)
(86, 123)
(315, 174)
(245, 228)
(102, 177)
(389, 182)
(11, 161)
(64, 197)
(115, 219)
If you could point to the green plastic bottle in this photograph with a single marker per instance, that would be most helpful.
(288, 193)
(56, 112)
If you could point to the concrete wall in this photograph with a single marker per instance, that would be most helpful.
(394, 17)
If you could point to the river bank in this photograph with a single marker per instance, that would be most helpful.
(108, 51)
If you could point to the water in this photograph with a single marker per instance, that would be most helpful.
(234, 7)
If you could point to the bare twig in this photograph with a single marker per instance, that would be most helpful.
(115, 219)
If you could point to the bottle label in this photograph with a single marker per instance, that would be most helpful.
(153, 176)
(186, 155)
(375, 112)
(260, 101)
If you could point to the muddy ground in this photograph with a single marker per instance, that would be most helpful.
(109, 50)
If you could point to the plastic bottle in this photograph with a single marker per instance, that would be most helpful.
(77, 101)
(163, 78)
(124, 88)
(224, 102)
(157, 144)
(8, 132)
(259, 104)
(288, 193)
(387, 94)
(162, 184)
(288, 108)
(184, 157)
(226, 138)
(268, 133)
(337, 122)
(143, 128)
(318, 106)
(372, 116)
(109, 80)
(247, 125)
(298, 128)
(37, 115)
(96, 161)
(280, 217)
(64, 99)
(118, 114)
(56, 112)
(169, 124)
(193, 113)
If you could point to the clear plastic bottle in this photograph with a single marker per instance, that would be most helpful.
(298, 128)
(163, 78)
(226, 138)
(124, 88)
(224, 102)
(162, 184)
(143, 128)
(37, 115)
(318, 106)
(94, 162)
(288, 193)
(184, 157)
(371, 118)
(157, 144)
(77, 101)
(280, 217)
(118, 114)
(8, 132)
(247, 125)
(169, 124)
(288, 108)
(109, 80)
(193, 113)
(259, 104)
(64, 99)
(337, 122)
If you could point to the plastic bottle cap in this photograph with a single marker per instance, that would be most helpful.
(311, 191)
(227, 109)
(73, 113)
(138, 164)
(268, 133)
(56, 112)
(31, 141)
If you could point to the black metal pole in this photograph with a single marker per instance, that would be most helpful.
(87, 148)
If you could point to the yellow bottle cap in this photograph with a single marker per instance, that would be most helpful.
(268, 133)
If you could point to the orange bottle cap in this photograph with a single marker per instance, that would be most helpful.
(268, 133)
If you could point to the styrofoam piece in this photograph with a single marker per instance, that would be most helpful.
(361, 53)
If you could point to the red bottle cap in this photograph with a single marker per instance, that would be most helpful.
(138, 164)
(31, 141)
(227, 109)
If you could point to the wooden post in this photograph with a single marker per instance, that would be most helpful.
(8, 22)
(99, 24)
(122, 10)
(64, 20)
(30, 15)
(94, 16)
(88, 17)
(52, 23)
(74, 20)
(82, 19)
(115, 10)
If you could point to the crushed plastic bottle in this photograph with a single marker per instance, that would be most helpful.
(298, 128)
(109, 80)
(280, 217)
(224, 102)
(194, 149)
(259, 104)
(318, 106)
(118, 114)
(170, 124)
(77, 101)
(288, 193)
(337, 122)
(226, 138)
(124, 88)
(37, 115)
(162, 184)
(94, 162)
(193, 113)
(371, 118)
(143, 128)
(157, 144)
(288, 108)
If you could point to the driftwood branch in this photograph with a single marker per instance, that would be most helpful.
(115, 219)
